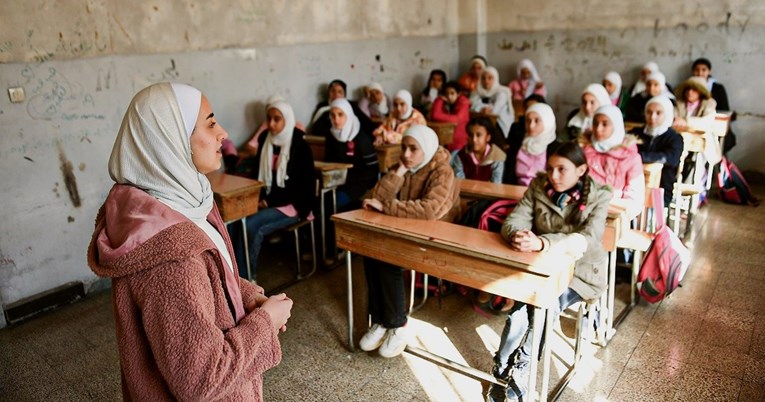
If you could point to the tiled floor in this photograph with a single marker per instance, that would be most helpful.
(705, 343)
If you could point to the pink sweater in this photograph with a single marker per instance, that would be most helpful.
(621, 168)
(527, 166)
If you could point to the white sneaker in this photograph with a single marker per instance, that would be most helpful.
(395, 342)
(373, 338)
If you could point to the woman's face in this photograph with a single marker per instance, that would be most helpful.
(411, 153)
(376, 96)
(644, 73)
(654, 115)
(436, 81)
(589, 104)
(338, 117)
(274, 120)
(335, 92)
(692, 95)
(206, 140)
(400, 107)
(478, 138)
(452, 95)
(534, 124)
(562, 173)
(610, 87)
(487, 80)
(602, 128)
(653, 88)
(525, 73)
(701, 70)
(476, 69)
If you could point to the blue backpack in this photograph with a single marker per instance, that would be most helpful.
(733, 187)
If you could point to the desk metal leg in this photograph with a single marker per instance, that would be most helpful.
(323, 215)
(609, 332)
(536, 340)
(546, 357)
(246, 248)
(349, 278)
(334, 211)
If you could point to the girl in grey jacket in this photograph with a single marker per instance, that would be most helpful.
(563, 207)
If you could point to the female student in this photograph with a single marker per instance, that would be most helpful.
(479, 159)
(529, 157)
(648, 69)
(660, 143)
(421, 186)
(612, 82)
(453, 107)
(527, 83)
(580, 120)
(285, 167)
(694, 101)
(563, 207)
(493, 98)
(469, 81)
(656, 84)
(432, 91)
(401, 118)
(614, 160)
(189, 328)
(349, 144)
(702, 68)
(375, 104)
(320, 122)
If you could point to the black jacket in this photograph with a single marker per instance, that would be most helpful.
(366, 168)
(665, 148)
(323, 124)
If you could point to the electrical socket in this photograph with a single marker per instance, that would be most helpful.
(16, 94)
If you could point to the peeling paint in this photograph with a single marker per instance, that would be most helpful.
(69, 179)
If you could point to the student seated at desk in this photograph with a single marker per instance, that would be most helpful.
(614, 160)
(526, 83)
(285, 166)
(694, 101)
(529, 156)
(702, 68)
(656, 84)
(470, 80)
(401, 118)
(580, 120)
(493, 98)
(660, 142)
(348, 143)
(642, 82)
(612, 82)
(518, 129)
(452, 107)
(375, 104)
(433, 91)
(421, 186)
(320, 123)
(563, 208)
(479, 159)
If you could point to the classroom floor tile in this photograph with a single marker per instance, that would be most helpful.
(704, 343)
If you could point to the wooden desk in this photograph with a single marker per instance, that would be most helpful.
(652, 172)
(629, 125)
(317, 144)
(388, 155)
(332, 175)
(463, 255)
(444, 131)
(487, 190)
(237, 198)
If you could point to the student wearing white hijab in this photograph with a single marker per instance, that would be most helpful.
(580, 120)
(660, 143)
(400, 119)
(421, 186)
(618, 94)
(540, 138)
(527, 81)
(375, 103)
(648, 68)
(285, 167)
(655, 85)
(492, 98)
(613, 158)
(161, 240)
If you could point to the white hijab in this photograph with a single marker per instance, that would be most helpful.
(580, 119)
(152, 152)
(489, 92)
(281, 139)
(640, 84)
(614, 78)
(538, 144)
(405, 96)
(669, 116)
(617, 121)
(352, 125)
(659, 77)
(428, 141)
(532, 82)
(381, 107)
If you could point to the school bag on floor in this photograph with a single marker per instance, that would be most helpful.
(666, 260)
(733, 187)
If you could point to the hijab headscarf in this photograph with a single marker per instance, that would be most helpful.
(282, 139)
(617, 137)
(405, 96)
(669, 116)
(489, 92)
(381, 107)
(478, 59)
(580, 119)
(428, 141)
(352, 124)
(659, 77)
(324, 109)
(152, 152)
(640, 84)
(614, 78)
(532, 82)
(538, 144)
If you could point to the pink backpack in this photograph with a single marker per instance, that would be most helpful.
(666, 260)
(734, 189)
(495, 214)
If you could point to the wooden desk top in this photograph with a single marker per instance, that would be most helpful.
(236, 197)
(228, 185)
(443, 249)
(320, 166)
(484, 189)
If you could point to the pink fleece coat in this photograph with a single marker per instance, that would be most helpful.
(176, 306)
(621, 168)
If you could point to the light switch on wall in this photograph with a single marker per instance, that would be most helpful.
(16, 94)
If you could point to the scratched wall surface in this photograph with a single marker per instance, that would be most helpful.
(55, 146)
(39, 30)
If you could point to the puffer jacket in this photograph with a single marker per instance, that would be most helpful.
(621, 168)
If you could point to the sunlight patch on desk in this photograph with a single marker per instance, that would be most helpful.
(438, 383)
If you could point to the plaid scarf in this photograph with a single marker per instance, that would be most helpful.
(565, 198)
